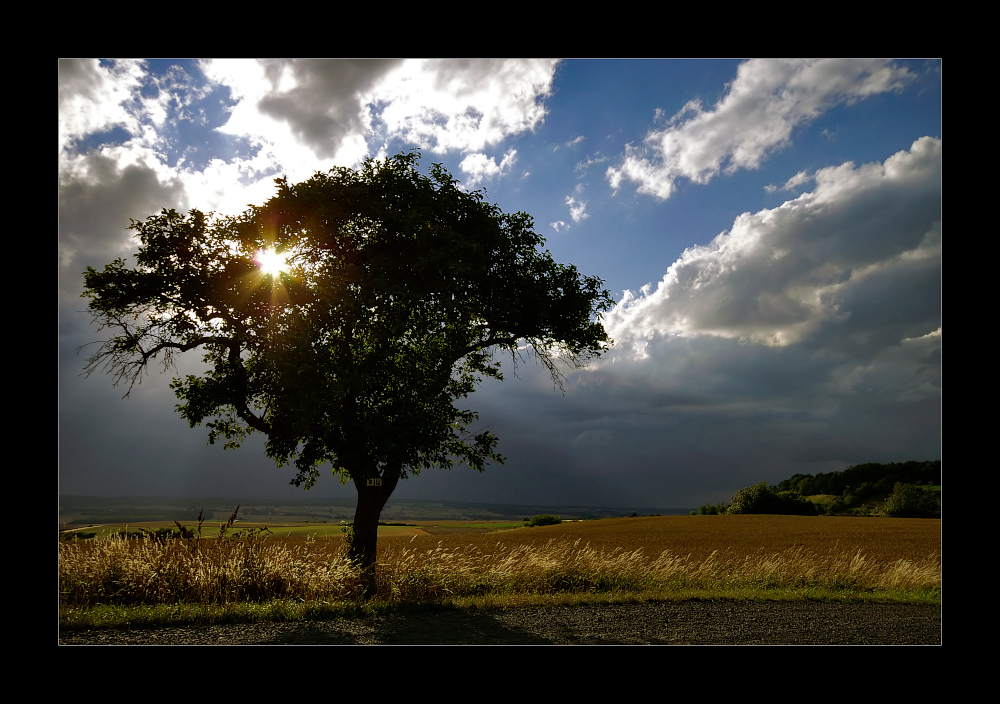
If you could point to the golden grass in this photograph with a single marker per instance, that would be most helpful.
(115, 570)
(661, 557)
(562, 566)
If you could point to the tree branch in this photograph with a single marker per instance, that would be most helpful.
(126, 360)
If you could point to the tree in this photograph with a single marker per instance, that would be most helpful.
(388, 296)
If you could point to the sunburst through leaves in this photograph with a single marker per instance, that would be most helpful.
(271, 262)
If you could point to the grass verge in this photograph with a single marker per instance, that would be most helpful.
(181, 615)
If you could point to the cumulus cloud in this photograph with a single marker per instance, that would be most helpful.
(92, 98)
(462, 105)
(577, 208)
(766, 101)
(854, 262)
(322, 101)
(96, 203)
(480, 168)
(301, 109)
(334, 109)
(213, 134)
(805, 338)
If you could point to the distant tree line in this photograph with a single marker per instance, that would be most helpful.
(897, 489)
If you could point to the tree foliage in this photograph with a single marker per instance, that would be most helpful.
(400, 290)
(910, 489)
(879, 478)
(862, 488)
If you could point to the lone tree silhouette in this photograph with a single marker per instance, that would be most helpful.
(387, 297)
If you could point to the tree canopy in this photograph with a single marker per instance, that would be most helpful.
(388, 296)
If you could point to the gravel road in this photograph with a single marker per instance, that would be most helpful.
(685, 623)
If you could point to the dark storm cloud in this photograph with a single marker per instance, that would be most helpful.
(96, 204)
(804, 339)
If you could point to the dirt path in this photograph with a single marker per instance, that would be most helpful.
(687, 623)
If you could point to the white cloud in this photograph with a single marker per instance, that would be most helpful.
(791, 184)
(766, 101)
(333, 109)
(480, 167)
(307, 112)
(559, 225)
(857, 259)
(296, 116)
(588, 162)
(463, 105)
(577, 209)
(91, 97)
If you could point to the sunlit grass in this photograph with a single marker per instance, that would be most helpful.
(117, 581)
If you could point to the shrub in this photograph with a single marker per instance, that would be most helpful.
(708, 510)
(760, 498)
(543, 520)
(752, 499)
(910, 501)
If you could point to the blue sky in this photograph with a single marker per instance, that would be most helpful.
(770, 229)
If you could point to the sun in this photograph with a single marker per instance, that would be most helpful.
(271, 262)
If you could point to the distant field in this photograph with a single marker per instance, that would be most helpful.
(698, 536)
(317, 530)
(210, 529)
(883, 539)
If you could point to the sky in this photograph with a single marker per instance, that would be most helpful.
(769, 229)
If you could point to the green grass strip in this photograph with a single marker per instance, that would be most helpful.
(168, 615)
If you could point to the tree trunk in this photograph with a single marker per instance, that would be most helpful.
(371, 500)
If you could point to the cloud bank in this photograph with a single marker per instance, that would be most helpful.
(809, 333)
(804, 271)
